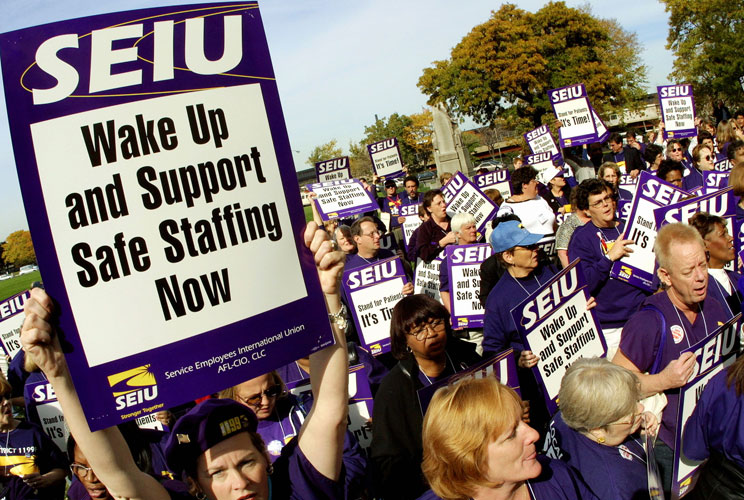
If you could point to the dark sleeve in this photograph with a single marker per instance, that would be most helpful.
(50, 456)
(695, 436)
(633, 160)
(376, 371)
(594, 264)
(396, 435)
(489, 276)
(411, 251)
(424, 247)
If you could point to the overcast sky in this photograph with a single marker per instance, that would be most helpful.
(337, 63)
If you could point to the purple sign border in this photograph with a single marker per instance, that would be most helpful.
(473, 320)
(683, 133)
(456, 193)
(516, 313)
(381, 346)
(480, 370)
(394, 175)
(371, 205)
(578, 140)
(660, 213)
(347, 168)
(92, 383)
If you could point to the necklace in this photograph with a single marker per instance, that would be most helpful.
(448, 360)
(681, 323)
(522, 287)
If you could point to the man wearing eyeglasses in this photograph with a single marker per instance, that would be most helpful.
(599, 243)
(626, 157)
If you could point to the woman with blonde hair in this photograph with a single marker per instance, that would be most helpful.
(477, 446)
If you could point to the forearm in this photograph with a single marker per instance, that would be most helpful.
(322, 434)
(106, 450)
(445, 300)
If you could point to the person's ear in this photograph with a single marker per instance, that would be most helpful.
(508, 257)
(664, 276)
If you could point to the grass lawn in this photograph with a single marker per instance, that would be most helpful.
(18, 284)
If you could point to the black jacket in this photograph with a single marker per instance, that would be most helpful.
(396, 426)
(633, 160)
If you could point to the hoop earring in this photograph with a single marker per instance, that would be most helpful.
(270, 469)
(200, 495)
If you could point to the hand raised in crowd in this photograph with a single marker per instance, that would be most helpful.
(37, 335)
(620, 249)
(450, 239)
(329, 263)
(591, 303)
(678, 372)
(408, 288)
(634, 173)
(527, 359)
(649, 423)
(166, 418)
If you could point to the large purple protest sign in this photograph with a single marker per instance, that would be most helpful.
(461, 195)
(677, 111)
(712, 354)
(386, 159)
(373, 291)
(337, 169)
(161, 194)
(463, 268)
(540, 141)
(721, 203)
(638, 268)
(11, 320)
(341, 199)
(714, 180)
(44, 410)
(557, 327)
(498, 179)
(360, 406)
(571, 106)
(426, 278)
(623, 209)
(502, 366)
(629, 183)
(411, 223)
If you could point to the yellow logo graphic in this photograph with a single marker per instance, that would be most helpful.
(626, 270)
(131, 380)
(20, 465)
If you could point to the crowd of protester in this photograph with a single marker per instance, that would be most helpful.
(478, 438)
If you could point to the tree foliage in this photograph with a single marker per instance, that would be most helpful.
(18, 249)
(361, 165)
(501, 71)
(414, 134)
(706, 38)
(324, 152)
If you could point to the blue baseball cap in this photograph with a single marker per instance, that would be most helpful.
(204, 426)
(510, 234)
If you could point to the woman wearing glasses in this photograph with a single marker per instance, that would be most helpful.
(422, 341)
(703, 159)
(597, 430)
(31, 465)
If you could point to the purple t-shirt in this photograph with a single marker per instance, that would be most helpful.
(693, 180)
(616, 300)
(557, 481)
(617, 472)
(641, 337)
(356, 260)
(717, 423)
(499, 331)
(296, 478)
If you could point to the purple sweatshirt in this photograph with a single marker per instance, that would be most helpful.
(616, 300)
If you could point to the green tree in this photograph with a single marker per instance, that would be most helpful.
(324, 152)
(706, 38)
(18, 249)
(417, 137)
(359, 162)
(393, 126)
(500, 73)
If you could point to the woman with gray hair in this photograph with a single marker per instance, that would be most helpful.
(596, 431)
(463, 225)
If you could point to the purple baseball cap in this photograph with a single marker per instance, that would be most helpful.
(204, 426)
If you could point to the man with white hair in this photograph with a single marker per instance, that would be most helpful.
(668, 323)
